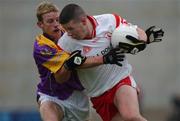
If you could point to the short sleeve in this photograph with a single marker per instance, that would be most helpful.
(51, 58)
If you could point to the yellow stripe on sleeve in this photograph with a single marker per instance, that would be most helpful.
(56, 62)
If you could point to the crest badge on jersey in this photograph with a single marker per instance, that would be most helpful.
(86, 49)
(108, 35)
(46, 51)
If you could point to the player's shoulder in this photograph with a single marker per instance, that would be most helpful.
(64, 38)
(108, 18)
(38, 42)
(106, 15)
(66, 42)
(42, 40)
(44, 46)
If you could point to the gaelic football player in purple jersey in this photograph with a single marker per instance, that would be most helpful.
(59, 92)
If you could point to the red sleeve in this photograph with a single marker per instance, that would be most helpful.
(119, 20)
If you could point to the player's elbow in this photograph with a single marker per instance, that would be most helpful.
(59, 79)
(62, 76)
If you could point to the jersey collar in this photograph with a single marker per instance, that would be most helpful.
(45, 39)
(94, 24)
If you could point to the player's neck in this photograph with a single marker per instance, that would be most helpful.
(50, 37)
(90, 29)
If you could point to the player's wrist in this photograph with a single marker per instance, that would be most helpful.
(67, 67)
(75, 60)
(107, 59)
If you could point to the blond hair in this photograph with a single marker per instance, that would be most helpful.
(45, 7)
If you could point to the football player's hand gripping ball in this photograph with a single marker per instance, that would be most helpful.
(154, 34)
(134, 47)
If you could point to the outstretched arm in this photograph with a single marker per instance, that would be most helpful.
(114, 56)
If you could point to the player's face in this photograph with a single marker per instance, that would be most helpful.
(50, 24)
(76, 29)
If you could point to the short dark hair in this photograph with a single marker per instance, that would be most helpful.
(71, 12)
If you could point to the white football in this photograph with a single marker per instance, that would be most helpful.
(119, 34)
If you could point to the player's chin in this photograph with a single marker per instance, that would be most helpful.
(56, 31)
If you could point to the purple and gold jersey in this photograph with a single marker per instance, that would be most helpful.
(49, 58)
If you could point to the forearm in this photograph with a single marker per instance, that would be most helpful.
(77, 61)
(62, 75)
(142, 35)
(92, 62)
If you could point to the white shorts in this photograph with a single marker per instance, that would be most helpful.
(75, 108)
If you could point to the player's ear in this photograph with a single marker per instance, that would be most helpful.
(84, 20)
(39, 24)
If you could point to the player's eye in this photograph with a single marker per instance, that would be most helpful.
(50, 21)
(57, 20)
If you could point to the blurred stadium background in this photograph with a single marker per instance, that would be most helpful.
(157, 69)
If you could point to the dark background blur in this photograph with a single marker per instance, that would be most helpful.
(157, 69)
